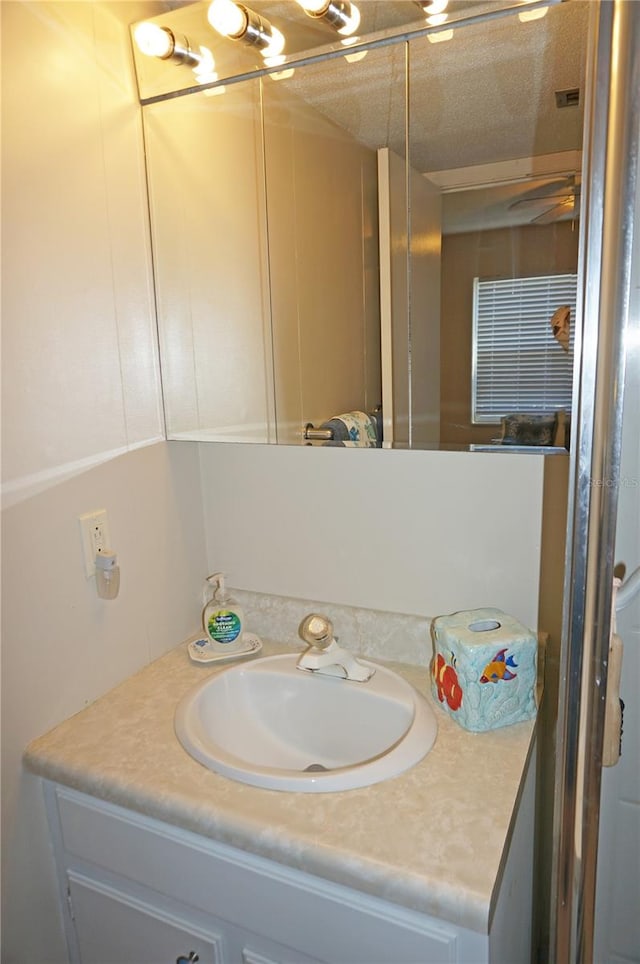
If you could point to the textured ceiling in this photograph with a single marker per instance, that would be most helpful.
(486, 95)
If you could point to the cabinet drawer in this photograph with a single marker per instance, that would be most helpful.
(114, 927)
(329, 921)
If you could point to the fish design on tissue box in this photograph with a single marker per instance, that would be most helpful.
(473, 648)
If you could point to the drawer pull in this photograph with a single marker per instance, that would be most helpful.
(191, 959)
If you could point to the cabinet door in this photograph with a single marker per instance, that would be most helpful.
(115, 928)
(254, 949)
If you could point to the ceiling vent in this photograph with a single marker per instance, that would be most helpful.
(568, 98)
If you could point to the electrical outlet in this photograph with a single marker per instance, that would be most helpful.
(94, 527)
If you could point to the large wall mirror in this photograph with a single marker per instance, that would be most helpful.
(391, 230)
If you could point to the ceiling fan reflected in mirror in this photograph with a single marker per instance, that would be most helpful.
(559, 200)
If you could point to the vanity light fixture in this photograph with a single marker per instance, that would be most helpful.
(156, 41)
(341, 14)
(238, 22)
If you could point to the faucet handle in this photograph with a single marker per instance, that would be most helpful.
(324, 656)
(316, 631)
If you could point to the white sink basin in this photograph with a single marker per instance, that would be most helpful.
(271, 725)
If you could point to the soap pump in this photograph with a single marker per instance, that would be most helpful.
(222, 618)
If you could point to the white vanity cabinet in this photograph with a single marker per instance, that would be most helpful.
(136, 890)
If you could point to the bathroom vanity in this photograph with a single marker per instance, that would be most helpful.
(160, 859)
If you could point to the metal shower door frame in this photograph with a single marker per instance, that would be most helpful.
(611, 159)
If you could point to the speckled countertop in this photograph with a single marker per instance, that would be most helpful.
(431, 839)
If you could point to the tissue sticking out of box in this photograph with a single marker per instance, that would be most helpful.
(484, 668)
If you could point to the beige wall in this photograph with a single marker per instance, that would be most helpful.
(403, 531)
(267, 290)
(82, 425)
(322, 205)
(394, 295)
(209, 232)
(505, 253)
(75, 253)
(425, 219)
(409, 302)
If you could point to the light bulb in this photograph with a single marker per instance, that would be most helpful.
(341, 14)
(227, 18)
(153, 40)
(314, 6)
(239, 23)
(437, 19)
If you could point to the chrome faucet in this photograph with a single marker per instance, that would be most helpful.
(324, 656)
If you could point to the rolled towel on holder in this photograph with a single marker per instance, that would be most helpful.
(355, 429)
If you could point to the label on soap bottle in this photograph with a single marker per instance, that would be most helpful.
(224, 626)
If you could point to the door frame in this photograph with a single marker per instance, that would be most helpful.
(612, 140)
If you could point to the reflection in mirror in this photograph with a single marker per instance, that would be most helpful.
(200, 30)
(303, 270)
(490, 127)
(322, 211)
(208, 220)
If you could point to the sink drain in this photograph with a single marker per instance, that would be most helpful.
(315, 768)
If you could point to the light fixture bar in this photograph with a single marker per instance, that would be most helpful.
(258, 32)
(238, 22)
(340, 14)
(156, 41)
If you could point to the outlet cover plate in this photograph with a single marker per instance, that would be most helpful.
(94, 528)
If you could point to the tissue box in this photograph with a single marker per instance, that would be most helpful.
(484, 668)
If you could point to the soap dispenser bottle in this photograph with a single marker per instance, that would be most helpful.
(222, 618)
